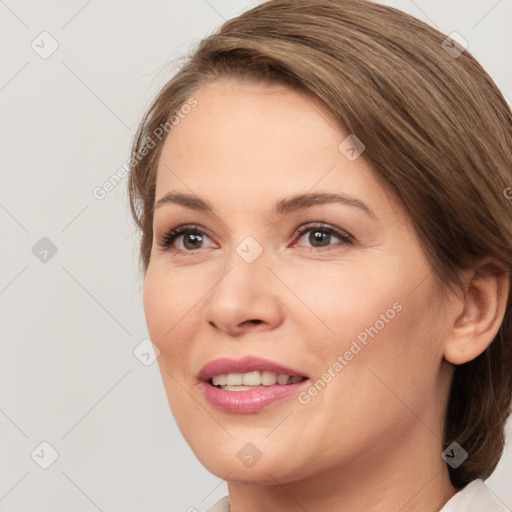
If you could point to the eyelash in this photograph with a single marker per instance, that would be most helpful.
(168, 238)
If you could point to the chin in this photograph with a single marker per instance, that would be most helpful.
(232, 471)
(242, 462)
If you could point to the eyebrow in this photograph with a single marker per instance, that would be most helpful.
(189, 201)
(282, 207)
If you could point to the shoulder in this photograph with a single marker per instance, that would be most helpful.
(475, 497)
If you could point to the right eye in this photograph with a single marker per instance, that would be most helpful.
(184, 239)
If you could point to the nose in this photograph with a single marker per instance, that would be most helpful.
(244, 300)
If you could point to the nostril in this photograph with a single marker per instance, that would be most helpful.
(255, 321)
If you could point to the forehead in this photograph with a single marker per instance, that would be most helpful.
(249, 140)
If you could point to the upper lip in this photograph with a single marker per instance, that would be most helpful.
(247, 364)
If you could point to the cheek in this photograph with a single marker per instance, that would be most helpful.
(377, 311)
(394, 350)
(171, 309)
(345, 299)
(171, 319)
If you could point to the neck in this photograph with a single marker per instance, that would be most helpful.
(402, 474)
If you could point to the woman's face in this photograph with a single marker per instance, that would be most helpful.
(294, 253)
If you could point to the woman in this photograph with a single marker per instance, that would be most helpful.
(326, 243)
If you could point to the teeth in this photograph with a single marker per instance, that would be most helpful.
(237, 388)
(252, 379)
(268, 378)
(234, 379)
(283, 379)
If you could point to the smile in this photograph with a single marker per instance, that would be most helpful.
(249, 384)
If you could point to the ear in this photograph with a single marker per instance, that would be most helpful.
(479, 312)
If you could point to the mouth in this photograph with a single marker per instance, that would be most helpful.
(249, 384)
(249, 372)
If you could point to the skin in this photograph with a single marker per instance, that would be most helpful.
(372, 438)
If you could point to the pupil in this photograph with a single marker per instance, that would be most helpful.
(192, 239)
(319, 239)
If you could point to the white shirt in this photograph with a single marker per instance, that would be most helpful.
(475, 497)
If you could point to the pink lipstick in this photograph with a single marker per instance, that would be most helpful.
(249, 384)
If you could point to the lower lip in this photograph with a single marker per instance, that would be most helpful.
(251, 400)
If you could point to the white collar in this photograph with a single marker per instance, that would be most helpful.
(475, 497)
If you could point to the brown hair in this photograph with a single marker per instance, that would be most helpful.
(436, 130)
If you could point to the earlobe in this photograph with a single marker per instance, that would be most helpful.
(480, 313)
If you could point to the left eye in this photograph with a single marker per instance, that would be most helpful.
(322, 236)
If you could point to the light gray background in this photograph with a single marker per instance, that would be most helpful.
(68, 375)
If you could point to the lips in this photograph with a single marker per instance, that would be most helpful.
(247, 400)
(246, 364)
